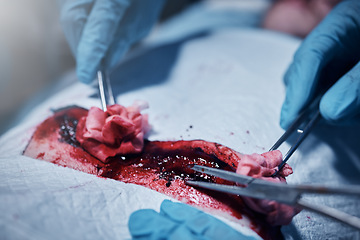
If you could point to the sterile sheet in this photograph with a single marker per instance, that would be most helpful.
(228, 86)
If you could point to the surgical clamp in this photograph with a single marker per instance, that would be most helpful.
(280, 192)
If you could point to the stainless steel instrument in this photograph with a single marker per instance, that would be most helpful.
(106, 94)
(280, 192)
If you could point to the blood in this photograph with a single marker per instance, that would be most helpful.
(169, 163)
(163, 166)
(68, 130)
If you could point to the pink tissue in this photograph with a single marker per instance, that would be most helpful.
(263, 166)
(119, 130)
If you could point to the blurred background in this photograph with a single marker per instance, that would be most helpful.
(34, 53)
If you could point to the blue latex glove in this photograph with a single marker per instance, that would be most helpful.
(179, 221)
(105, 29)
(333, 42)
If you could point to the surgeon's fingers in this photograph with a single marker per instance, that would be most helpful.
(195, 224)
(300, 78)
(146, 222)
(97, 36)
(332, 38)
(178, 212)
(342, 101)
(134, 26)
(73, 16)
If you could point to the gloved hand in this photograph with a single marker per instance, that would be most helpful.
(105, 29)
(179, 221)
(331, 49)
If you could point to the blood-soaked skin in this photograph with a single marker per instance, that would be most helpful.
(163, 166)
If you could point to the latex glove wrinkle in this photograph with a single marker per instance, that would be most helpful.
(102, 31)
(330, 50)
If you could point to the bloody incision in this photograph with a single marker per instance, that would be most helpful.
(163, 166)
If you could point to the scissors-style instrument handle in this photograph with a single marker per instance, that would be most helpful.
(280, 192)
(330, 212)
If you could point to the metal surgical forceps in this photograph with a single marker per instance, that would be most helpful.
(303, 124)
(106, 94)
(280, 192)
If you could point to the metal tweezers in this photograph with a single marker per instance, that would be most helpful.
(105, 91)
(303, 125)
(280, 192)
